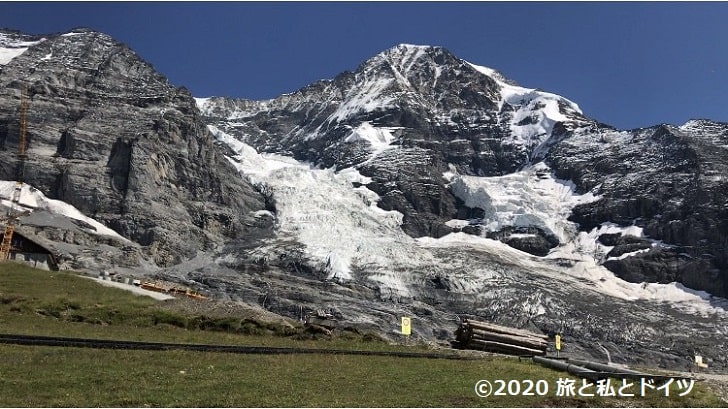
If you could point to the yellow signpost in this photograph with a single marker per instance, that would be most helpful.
(557, 344)
(406, 326)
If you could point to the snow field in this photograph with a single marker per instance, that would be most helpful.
(32, 198)
(341, 226)
(10, 48)
(7, 54)
(536, 112)
(531, 197)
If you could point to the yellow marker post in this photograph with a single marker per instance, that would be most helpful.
(406, 326)
(557, 344)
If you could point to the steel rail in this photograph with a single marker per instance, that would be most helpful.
(38, 340)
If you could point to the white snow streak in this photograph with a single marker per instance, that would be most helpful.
(10, 48)
(366, 98)
(32, 198)
(379, 139)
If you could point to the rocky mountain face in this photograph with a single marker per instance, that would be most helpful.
(442, 114)
(438, 110)
(110, 136)
(671, 182)
(418, 185)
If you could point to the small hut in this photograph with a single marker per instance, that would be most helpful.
(28, 251)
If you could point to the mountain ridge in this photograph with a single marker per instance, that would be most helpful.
(538, 120)
(406, 187)
(101, 125)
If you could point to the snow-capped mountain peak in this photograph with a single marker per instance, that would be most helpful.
(417, 185)
(14, 44)
(405, 57)
(446, 97)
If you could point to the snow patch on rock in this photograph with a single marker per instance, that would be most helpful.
(11, 48)
(531, 197)
(32, 199)
(379, 139)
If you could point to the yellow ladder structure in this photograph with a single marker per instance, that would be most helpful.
(10, 225)
(7, 240)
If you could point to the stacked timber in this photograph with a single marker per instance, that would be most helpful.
(485, 336)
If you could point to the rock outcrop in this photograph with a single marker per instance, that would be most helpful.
(670, 181)
(110, 136)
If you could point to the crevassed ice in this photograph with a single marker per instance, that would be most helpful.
(344, 231)
(531, 197)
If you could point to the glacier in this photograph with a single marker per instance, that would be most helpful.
(349, 237)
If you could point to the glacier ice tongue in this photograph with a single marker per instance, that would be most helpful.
(347, 236)
(342, 227)
(531, 197)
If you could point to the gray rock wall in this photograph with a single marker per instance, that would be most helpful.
(110, 136)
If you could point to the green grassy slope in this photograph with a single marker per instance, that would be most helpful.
(36, 302)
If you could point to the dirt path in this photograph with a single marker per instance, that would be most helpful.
(132, 288)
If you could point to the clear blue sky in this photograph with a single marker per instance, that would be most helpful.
(626, 64)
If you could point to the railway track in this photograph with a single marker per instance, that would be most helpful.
(233, 349)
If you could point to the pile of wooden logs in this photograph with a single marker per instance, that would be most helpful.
(485, 336)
